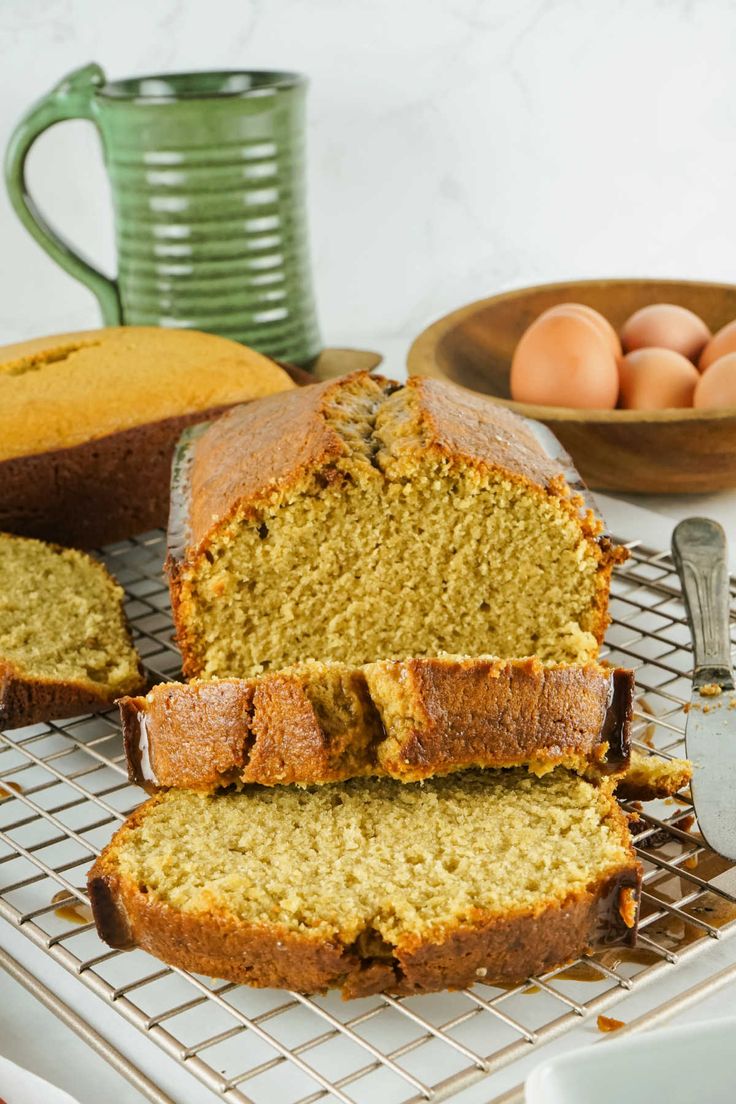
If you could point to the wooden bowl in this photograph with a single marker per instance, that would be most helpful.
(662, 451)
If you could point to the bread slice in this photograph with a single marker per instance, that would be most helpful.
(89, 421)
(359, 520)
(65, 647)
(410, 719)
(371, 885)
(649, 777)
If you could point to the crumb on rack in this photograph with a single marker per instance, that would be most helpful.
(710, 690)
(606, 1023)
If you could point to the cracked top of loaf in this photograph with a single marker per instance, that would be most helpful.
(257, 454)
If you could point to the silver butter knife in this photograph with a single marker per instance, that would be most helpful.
(699, 552)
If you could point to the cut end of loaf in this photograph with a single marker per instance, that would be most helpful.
(408, 523)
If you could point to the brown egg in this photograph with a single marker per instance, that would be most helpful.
(563, 360)
(721, 343)
(717, 387)
(665, 326)
(604, 327)
(655, 379)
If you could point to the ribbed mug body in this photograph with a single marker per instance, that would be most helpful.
(208, 188)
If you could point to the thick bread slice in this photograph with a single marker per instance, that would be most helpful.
(65, 646)
(371, 885)
(410, 719)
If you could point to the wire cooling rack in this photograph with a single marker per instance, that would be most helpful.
(65, 790)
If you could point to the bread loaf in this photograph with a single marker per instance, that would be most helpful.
(359, 520)
(88, 424)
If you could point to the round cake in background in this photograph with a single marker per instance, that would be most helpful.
(89, 420)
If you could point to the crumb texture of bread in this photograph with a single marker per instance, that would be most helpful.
(649, 777)
(375, 872)
(407, 719)
(360, 520)
(64, 642)
(61, 391)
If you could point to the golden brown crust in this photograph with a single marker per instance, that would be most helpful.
(66, 389)
(206, 732)
(472, 428)
(493, 949)
(499, 713)
(278, 442)
(90, 461)
(293, 741)
(453, 714)
(283, 438)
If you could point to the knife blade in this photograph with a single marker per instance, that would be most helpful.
(699, 553)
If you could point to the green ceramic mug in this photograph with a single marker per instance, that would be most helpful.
(207, 177)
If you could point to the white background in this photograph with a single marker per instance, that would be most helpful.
(456, 147)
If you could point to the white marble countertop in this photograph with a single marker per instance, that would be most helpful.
(456, 147)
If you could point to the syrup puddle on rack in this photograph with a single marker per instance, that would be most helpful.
(71, 909)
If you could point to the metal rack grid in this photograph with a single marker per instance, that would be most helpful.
(66, 790)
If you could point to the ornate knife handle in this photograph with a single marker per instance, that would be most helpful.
(699, 552)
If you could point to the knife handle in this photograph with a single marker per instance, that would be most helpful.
(699, 552)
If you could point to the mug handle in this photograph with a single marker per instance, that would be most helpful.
(72, 98)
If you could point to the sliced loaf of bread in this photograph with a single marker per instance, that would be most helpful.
(410, 719)
(65, 646)
(371, 885)
(359, 520)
